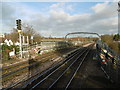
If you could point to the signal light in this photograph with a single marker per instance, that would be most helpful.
(18, 22)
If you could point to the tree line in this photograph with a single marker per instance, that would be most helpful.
(26, 31)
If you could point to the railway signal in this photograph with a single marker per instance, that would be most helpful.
(18, 22)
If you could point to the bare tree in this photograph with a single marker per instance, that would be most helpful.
(29, 31)
(26, 31)
(12, 36)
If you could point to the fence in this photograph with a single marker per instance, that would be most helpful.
(109, 61)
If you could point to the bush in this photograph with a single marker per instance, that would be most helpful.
(108, 39)
(114, 46)
(15, 47)
(6, 49)
(116, 37)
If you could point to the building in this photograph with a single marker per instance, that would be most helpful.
(5, 41)
(2, 38)
(8, 42)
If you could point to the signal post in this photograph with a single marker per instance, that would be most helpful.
(18, 22)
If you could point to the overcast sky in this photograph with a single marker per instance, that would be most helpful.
(60, 18)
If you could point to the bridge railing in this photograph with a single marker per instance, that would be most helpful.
(109, 60)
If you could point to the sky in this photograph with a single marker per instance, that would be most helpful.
(59, 18)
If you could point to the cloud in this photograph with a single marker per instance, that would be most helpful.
(57, 5)
(57, 21)
(108, 26)
(12, 11)
(62, 7)
(7, 17)
(100, 7)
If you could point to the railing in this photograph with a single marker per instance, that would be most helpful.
(109, 60)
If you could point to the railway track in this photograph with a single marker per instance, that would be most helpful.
(24, 69)
(20, 63)
(14, 72)
(31, 79)
(27, 66)
(61, 75)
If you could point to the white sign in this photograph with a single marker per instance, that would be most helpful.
(12, 53)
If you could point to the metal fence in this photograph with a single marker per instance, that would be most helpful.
(109, 61)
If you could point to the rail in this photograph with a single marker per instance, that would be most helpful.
(34, 76)
(57, 65)
(20, 70)
(57, 69)
(53, 84)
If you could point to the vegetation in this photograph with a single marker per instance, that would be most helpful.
(29, 31)
(6, 49)
(116, 37)
(14, 36)
(112, 41)
(26, 31)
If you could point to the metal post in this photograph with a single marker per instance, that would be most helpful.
(32, 40)
(28, 47)
(23, 40)
(27, 40)
(119, 17)
(20, 40)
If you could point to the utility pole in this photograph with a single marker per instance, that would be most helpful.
(18, 22)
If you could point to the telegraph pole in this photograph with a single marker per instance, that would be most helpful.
(18, 22)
